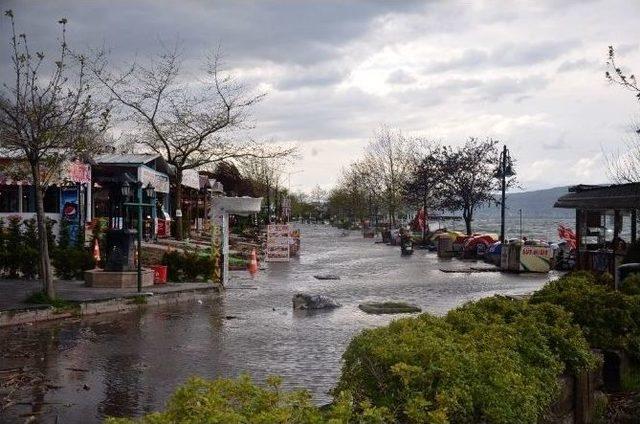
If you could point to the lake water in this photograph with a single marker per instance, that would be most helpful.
(128, 364)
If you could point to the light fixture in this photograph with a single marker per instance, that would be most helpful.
(149, 190)
(125, 189)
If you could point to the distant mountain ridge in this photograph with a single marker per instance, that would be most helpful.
(534, 204)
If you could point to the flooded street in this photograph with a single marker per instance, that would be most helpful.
(129, 364)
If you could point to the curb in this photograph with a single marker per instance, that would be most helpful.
(94, 307)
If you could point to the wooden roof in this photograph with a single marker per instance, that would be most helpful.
(601, 197)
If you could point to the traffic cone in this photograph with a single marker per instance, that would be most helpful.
(96, 251)
(253, 263)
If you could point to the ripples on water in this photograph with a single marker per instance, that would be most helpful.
(135, 360)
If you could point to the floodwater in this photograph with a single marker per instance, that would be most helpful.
(128, 364)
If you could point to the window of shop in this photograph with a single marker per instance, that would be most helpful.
(9, 199)
(51, 200)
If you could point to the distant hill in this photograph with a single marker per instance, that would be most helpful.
(534, 204)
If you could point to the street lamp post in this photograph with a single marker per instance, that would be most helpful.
(149, 191)
(504, 171)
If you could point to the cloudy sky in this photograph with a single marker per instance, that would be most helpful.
(530, 74)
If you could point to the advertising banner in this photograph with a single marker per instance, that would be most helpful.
(70, 211)
(535, 258)
(278, 243)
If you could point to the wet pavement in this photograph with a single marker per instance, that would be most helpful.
(123, 365)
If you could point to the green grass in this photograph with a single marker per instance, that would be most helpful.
(139, 300)
(235, 261)
(41, 298)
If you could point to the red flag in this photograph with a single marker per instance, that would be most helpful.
(567, 235)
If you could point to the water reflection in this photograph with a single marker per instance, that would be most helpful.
(129, 364)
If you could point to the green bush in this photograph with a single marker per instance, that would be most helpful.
(426, 370)
(70, 263)
(631, 285)
(173, 261)
(609, 319)
(563, 338)
(187, 266)
(241, 401)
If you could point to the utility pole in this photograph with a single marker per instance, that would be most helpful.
(504, 171)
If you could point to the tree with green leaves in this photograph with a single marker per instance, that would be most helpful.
(469, 177)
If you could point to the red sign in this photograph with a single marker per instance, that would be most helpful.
(79, 172)
(163, 228)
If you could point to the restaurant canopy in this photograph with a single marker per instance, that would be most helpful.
(601, 197)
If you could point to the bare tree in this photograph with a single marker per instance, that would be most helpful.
(390, 155)
(422, 187)
(47, 115)
(185, 120)
(616, 75)
(624, 166)
(265, 174)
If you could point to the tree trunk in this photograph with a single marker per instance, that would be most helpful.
(46, 273)
(468, 216)
(179, 232)
(424, 223)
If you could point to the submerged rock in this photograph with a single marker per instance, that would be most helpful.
(308, 301)
(389, 308)
(326, 277)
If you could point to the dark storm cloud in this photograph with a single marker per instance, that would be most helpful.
(279, 31)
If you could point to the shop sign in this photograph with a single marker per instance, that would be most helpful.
(278, 243)
(79, 172)
(157, 179)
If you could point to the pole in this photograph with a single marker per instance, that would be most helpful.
(139, 237)
(503, 168)
(520, 212)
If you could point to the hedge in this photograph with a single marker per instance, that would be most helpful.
(609, 319)
(240, 401)
(497, 360)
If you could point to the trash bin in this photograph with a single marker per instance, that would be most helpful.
(625, 269)
(159, 274)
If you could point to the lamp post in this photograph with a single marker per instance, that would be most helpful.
(149, 191)
(504, 171)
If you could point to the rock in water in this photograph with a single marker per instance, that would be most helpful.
(388, 308)
(326, 277)
(317, 301)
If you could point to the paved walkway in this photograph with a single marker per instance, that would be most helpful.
(14, 292)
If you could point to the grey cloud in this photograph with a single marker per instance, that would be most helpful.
(506, 55)
(578, 64)
(400, 76)
(626, 48)
(497, 89)
(558, 143)
(311, 77)
(472, 90)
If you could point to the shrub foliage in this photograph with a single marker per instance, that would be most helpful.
(609, 319)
